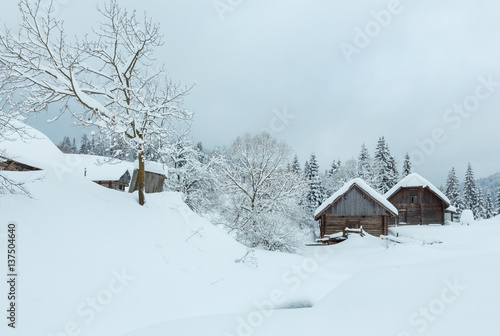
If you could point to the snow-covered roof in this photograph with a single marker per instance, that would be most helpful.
(98, 168)
(415, 180)
(34, 148)
(363, 186)
(152, 167)
(451, 208)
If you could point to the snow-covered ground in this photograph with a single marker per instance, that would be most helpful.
(91, 261)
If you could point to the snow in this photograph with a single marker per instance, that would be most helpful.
(415, 180)
(451, 208)
(152, 167)
(467, 217)
(365, 187)
(444, 289)
(97, 168)
(34, 149)
(91, 261)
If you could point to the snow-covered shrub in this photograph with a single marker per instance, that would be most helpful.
(467, 217)
(259, 197)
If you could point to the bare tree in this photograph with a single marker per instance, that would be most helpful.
(107, 75)
(260, 195)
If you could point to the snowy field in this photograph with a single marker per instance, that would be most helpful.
(91, 261)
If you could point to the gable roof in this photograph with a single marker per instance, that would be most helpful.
(415, 180)
(32, 148)
(378, 198)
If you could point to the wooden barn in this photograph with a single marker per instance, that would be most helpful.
(419, 202)
(154, 178)
(353, 206)
(117, 184)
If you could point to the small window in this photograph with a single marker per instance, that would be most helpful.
(414, 195)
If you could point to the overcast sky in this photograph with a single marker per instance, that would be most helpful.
(327, 76)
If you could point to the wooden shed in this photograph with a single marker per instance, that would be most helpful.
(117, 184)
(154, 178)
(355, 205)
(419, 202)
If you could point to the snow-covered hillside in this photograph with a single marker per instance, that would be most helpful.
(93, 262)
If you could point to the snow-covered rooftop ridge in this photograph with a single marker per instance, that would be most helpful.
(451, 208)
(152, 167)
(363, 186)
(32, 147)
(415, 180)
(98, 168)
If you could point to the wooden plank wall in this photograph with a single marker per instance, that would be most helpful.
(153, 182)
(355, 203)
(374, 225)
(427, 208)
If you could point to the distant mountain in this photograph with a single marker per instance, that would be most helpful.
(490, 183)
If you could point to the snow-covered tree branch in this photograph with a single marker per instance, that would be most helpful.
(103, 79)
(259, 195)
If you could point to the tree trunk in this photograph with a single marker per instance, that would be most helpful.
(140, 178)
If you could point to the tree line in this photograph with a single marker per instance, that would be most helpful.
(471, 195)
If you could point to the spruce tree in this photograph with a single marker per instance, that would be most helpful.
(307, 171)
(316, 193)
(498, 202)
(333, 168)
(74, 150)
(84, 144)
(452, 191)
(470, 192)
(385, 170)
(489, 207)
(365, 165)
(295, 166)
(407, 169)
(65, 145)
(479, 204)
(394, 171)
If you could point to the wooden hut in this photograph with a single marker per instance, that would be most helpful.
(419, 202)
(154, 178)
(117, 184)
(353, 206)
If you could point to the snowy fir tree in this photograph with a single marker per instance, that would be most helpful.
(84, 144)
(333, 168)
(384, 167)
(316, 193)
(479, 204)
(452, 191)
(470, 191)
(498, 202)
(365, 165)
(295, 166)
(73, 147)
(489, 207)
(394, 171)
(307, 171)
(407, 169)
(65, 145)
